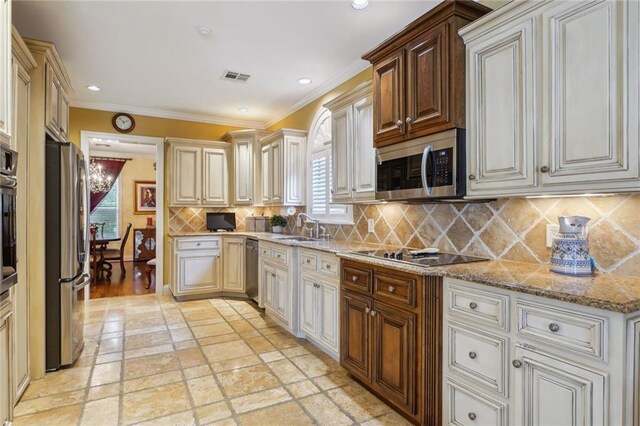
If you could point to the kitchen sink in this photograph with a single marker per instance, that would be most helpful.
(297, 239)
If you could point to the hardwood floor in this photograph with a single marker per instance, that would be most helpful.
(131, 284)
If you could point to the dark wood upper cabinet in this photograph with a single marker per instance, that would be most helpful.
(419, 75)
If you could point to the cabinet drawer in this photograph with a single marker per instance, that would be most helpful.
(309, 261)
(198, 244)
(357, 279)
(478, 356)
(479, 306)
(265, 251)
(468, 408)
(328, 266)
(280, 255)
(563, 328)
(395, 288)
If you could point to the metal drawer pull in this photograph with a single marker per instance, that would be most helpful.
(473, 305)
(354, 278)
(391, 289)
(366, 309)
(516, 363)
(473, 355)
(472, 416)
(554, 327)
(373, 313)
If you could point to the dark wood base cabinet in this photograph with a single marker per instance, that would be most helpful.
(391, 339)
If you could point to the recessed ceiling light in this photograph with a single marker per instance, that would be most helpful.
(243, 109)
(204, 31)
(359, 4)
(93, 88)
(304, 81)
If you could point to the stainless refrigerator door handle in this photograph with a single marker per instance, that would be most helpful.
(85, 282)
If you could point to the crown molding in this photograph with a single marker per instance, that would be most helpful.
(344, 75)
(150, 112)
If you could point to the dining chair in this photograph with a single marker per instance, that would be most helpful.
(93, 250)
(118, 254)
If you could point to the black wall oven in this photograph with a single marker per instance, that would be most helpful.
(8, 183)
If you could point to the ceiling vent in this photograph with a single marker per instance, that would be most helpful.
(235, 76)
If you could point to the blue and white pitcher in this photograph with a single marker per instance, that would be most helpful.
(570, 248)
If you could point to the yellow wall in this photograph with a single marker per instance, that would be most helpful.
(301, 119)
(136, 169)
(100, 121)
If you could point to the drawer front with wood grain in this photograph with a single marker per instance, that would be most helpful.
(309, 261)
(328, 266)
(479, 306)
(395, 289)
(468, 408)
(280, 255)
(357, 279)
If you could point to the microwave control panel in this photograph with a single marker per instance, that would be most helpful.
(443, 167)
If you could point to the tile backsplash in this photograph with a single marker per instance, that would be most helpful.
(513, 229)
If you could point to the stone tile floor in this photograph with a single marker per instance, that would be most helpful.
(151, 360)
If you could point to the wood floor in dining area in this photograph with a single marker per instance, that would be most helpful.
(131, 284)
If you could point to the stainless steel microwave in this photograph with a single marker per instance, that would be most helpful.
(423, 169)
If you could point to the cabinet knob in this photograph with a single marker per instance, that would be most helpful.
(544, 169)
(198, 244)
(554, 327)
(472, 416)
(373, 313)
(332, 191)
(391, 289)
(473, 355)
(278, 256)
(366, 309)
(250, 198)
(308, 260)
(328, 266)
(399, 123)
(354, 278)
(473, 305)
(516, 363)
(353, 189)
(408, 120)
(472, 177)
(273, 275)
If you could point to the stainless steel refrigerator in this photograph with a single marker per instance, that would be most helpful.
(67, 252)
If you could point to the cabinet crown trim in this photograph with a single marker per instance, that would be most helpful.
(246, 133)
(281, 133)
(360, 91)
(21, 51)
(49, 51)
(198, 142)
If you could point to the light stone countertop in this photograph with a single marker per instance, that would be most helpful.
(609, 292)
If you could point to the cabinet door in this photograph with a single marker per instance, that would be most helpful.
(63, 116)
(216, 177)
(52, 101)
(5, 74)
(277, 184)
(267, 174)
(233, 261)
(549, 391)
(281, 294)
(328, 315)
(355, 335)
(243, 171)
(293, 169)
(187, 176)
(388, 99)
(309, 305)
(394, 365)
(428, 81)
(198, 272)
(590, 83)
(5, 357)
(341, 153)
(363, 156)
(501, 144)
(268, 277)
(20, 340)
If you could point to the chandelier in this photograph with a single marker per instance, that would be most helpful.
(99, 181)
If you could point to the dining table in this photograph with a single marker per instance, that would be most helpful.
(102, 240)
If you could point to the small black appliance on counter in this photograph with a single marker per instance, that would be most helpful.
(221, 222)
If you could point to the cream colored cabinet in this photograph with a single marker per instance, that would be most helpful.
(233, 257)
(353, 156)
(56, 103)
(6, 406)
(267, 277)
(283, 168)
(513, 358)
(281, 294)
(199, 173)
(196, 264)
(319, 299)
(6, 86)
(551, 91)
(247, 176)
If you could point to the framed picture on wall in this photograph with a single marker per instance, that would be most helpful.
(145, 197)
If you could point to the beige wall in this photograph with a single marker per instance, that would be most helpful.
(135, 169)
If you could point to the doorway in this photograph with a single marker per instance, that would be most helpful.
(127, 213)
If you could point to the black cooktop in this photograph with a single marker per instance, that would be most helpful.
(426, 260)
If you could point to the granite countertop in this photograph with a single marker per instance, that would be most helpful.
(603, 291)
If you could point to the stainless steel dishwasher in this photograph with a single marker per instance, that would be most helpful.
(251, 268)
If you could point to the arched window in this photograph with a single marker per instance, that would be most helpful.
(320, 183)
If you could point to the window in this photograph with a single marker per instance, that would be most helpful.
(108, 211)
(319, 203)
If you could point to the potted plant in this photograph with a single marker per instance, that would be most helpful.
(277, 223)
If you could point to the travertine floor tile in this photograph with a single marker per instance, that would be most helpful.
(213, 412)
(106, 373)
(324, 410)
(31, 406)
(186, 418)
(247, 380)
(191, 357)
(314, 366)
(285, 414)
(145, 340)
(358, 403)
(104, 391)
(154, 364)
(259, 400)
(151, 381)
(390, 419)
(58, 416)
(103, 412)
(204, 390)
(302, 389)
(58, 382)
(232, 364)
(286, 371)
(155, 402)
(227, 350)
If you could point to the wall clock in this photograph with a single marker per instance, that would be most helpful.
(122, 122)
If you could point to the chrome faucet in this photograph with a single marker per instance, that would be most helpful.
(316, 222)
